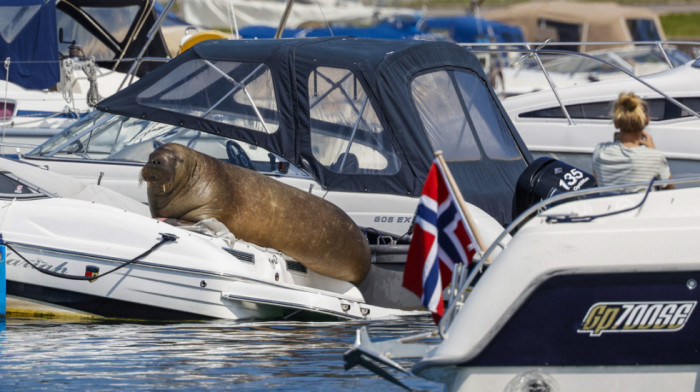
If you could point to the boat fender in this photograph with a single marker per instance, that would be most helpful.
(532, 381)
(546, 177)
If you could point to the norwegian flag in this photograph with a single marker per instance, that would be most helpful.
(441, 238)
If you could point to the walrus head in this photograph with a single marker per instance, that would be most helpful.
(161, 168)
(181, 183)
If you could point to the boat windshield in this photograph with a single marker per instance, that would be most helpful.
(12, 187)
(104, 136)
(463, 121)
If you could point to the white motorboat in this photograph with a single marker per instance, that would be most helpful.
(572, 135)
(99, 252)
(332, 116)
(595, 290)
(565, 70)
(62, 57)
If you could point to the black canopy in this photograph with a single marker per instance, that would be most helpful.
(331, 100)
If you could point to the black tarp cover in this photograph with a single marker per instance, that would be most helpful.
(385, 69)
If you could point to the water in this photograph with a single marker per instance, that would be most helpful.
(221, 355)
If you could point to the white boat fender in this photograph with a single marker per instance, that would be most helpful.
(532, 381)
(92, 273)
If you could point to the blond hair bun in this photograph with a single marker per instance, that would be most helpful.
(630, 113)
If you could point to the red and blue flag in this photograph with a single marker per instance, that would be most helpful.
(441, 238)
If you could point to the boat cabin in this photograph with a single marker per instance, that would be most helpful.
(357, 115)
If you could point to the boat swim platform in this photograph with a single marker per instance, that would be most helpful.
(26, 308)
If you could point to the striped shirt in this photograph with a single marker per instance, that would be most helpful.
(617, 164)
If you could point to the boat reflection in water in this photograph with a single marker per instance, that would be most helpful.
(217, 355)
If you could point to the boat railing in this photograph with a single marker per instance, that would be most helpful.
(465, 278)
(536, 49)
(69, 71)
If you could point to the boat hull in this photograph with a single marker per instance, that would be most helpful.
(574, 379)
(192, 275)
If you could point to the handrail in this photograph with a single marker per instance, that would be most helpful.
(571, 43)
(152, 33)
(524, 47)
(467, 276)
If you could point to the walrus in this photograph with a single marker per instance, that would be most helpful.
(187, 185)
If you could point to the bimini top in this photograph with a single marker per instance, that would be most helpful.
(359, 115)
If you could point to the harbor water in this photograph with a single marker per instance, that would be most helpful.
(219, 355)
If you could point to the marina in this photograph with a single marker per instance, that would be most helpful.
(386, 207)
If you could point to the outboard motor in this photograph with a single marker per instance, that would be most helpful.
(546, 177)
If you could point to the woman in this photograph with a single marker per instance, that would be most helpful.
(633, 157)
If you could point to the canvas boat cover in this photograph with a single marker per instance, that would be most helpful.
(28, 37)
(465, 28)
(575, 21)
(359, 115)
(469, 28)
(229, 14)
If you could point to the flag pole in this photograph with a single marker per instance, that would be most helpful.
(460, 200)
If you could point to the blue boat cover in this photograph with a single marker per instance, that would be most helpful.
(395, 28)
(29, 39)
(467, 28)
(464, 28)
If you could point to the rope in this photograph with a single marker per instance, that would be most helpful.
(4, 109)
(166, 237)
(68, 80)
(589, 218)
(93, 95)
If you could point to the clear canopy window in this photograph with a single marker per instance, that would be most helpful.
(10, 186)
(659, 110)
(13, 19)
(74, 31)
(115, 20)
(643, 30)
(346, 134)
(228, 92)
(108, 137)
(460, 117)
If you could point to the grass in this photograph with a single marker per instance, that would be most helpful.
(681, 26)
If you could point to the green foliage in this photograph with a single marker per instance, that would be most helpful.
(681, 26)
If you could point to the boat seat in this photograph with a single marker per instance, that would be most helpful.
(351, 165)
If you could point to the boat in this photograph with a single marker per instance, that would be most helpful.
(61, 57)
(96, 251)
(524, 75)
(334, 116)
(580, 24)
(567, 123)
(594, 290)
(304, 147)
